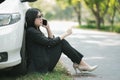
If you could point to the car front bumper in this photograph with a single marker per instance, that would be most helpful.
(11, 42)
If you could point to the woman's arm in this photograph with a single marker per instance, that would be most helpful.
(39, 38)
(65, 34)
(50, 34)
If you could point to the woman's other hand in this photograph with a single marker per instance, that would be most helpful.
(67, 33)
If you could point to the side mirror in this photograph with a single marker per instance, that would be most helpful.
(28, 0)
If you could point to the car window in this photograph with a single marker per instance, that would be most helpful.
(2, 1)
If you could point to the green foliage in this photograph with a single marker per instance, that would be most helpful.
(63, 3)
(69, 9)
(49, 15)
(117, 29)
(76, 4)
(66, 14)
(103, 28)
(87, 27)
(53, 11)
(36, 4)
(97, 6)
(59, 73)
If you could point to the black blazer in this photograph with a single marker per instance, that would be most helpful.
(36, 46)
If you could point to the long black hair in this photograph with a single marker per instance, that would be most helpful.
(31, 14)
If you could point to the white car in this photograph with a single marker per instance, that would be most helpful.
(12, 43)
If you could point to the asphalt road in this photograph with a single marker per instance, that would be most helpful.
(101, 48)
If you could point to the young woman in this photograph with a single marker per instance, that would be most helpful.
(44, 52)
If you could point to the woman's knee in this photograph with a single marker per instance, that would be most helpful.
(65, 43)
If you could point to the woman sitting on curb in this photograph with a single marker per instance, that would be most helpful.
(44, 52)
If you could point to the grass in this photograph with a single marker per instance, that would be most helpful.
(59, 73)
(115, 28)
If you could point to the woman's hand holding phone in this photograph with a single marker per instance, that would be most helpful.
(46, 25)
(44, 22)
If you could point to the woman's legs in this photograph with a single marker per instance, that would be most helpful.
(54, 54)
(70, 52)
(76, 57)
(67, 49)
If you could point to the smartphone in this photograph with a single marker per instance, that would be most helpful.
(44, 22)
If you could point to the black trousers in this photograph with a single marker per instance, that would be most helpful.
(64, 47)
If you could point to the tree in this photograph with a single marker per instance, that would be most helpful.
(114, 4)
(99, 8)
(77, 7)
(76, 4)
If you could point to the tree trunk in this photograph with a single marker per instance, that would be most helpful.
(79, 13)
(112, 20)
(98, 20)
(98, 23)
(77, 9)
(79, 18)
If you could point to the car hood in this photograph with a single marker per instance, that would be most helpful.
(9, 6)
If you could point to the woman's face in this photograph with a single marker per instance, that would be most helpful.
(38, 20)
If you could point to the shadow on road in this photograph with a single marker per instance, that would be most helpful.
(84, 75)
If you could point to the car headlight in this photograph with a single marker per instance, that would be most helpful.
(6, 19)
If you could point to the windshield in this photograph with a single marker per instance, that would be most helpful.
(2, 1)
